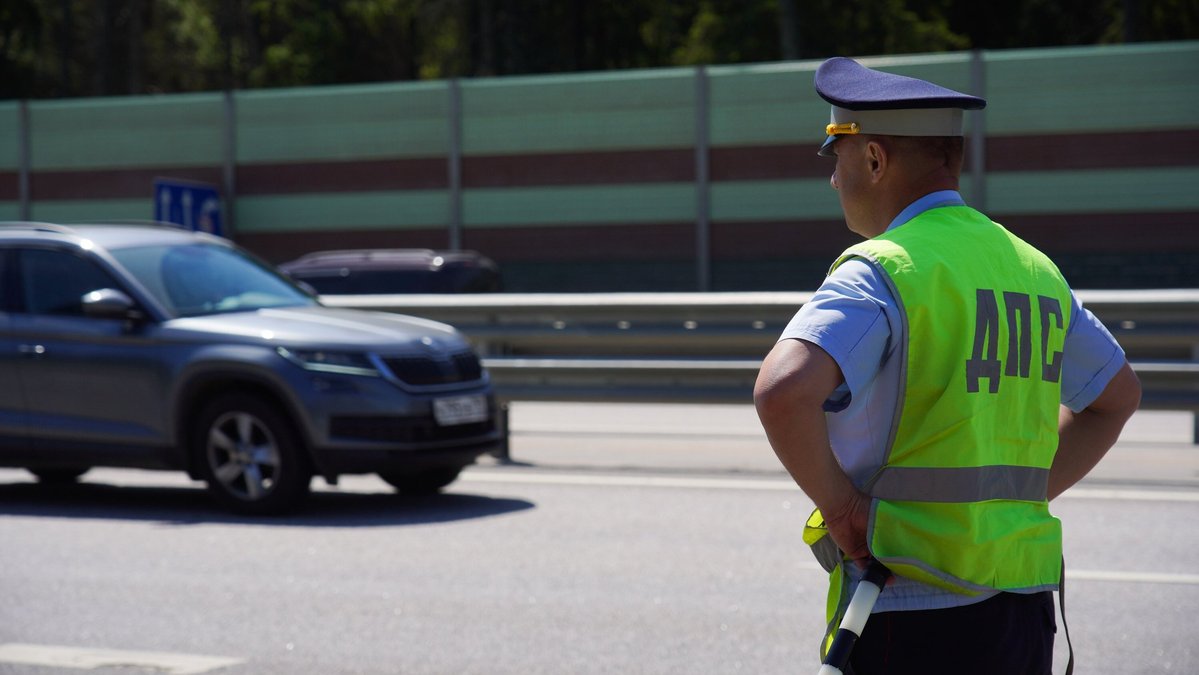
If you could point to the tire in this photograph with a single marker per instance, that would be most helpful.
(250, 456)
(426, 482)
(59, 475)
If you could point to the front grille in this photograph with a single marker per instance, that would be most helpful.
(421, 371)
(403, 430)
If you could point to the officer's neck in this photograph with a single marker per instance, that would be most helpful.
(900, 190)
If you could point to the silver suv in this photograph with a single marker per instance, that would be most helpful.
(154, 347)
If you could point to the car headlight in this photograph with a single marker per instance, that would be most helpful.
(345, 363)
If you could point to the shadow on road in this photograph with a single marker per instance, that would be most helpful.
(191, 506)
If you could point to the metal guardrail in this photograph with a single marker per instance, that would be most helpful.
(1167, 385)
(707, 347)
(630, 380)
(699, 325)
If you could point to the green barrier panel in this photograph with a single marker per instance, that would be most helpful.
(344, 210)
(572, 113)
(1098, 191)
(765, 104)
(181, 130)
(1088, 89)
(10, 141)
(343, 123)
(660, 202)
(82, 210)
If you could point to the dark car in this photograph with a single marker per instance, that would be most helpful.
(155, 347)
(374, 271)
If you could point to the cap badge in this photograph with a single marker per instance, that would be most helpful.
(841, 129)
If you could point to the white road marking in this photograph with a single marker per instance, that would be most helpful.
(1073, 575)
(630, 481)
(88, 658)
(1127, 494)
(476, 475)
(1135, 577)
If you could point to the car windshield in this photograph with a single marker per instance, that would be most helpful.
(196, 279)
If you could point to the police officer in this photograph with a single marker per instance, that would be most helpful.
(940, 387)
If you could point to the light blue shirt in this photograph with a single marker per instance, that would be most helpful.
(855, 319)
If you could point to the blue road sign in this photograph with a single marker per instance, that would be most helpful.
(195, 206)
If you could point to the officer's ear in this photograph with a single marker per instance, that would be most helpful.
(876, 159)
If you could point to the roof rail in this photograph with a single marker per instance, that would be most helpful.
(132, 221)
(36, 226)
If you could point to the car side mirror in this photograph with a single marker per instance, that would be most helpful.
(109, 303)
(306, 287)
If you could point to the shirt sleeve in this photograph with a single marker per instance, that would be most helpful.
(1090, 358)
(847, 318)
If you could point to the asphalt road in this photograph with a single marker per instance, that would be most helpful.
(634, 539)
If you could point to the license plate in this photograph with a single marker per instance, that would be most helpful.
(459, 410)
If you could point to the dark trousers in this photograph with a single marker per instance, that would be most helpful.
(1009, 634)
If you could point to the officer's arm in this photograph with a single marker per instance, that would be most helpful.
(1086, 436)
(796, 378)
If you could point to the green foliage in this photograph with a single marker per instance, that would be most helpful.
(1167, 20)
(22, 34)
(109, 47)
(863, 27)
(186, 54)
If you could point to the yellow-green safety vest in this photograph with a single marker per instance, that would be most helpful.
(961, 499)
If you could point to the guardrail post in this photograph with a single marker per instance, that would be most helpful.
(229, 169)
(703, 225)
(978, 134)
(24, 157)
(454, 163)
(504, 452)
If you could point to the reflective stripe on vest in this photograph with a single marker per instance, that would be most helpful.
(961, 484)
(960, 501)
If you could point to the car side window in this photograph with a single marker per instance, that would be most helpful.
(54, 282)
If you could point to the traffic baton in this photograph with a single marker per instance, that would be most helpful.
(855, 618)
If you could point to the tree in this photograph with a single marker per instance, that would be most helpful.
(61, 48)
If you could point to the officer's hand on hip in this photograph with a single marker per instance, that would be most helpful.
(847, 525)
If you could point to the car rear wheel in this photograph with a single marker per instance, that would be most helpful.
(59, 475)
(427, 482)
(250, 456)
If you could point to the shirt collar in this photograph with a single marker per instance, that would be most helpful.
(931, 200)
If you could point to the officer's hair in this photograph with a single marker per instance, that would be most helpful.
(944, 150)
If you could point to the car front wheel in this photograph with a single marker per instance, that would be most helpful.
(59, 475)
(250, 456)
(427, 482)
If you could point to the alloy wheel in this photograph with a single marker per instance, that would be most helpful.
(243, 455)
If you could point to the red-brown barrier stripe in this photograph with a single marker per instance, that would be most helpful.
(768, 162)
(1069, 233)
(10, 186)
(579, 168)
(113, 184)
(1062, 152)
(624, 241)
(774, 239)
(1174, 232)
(761, 162)
(422, 173)
(736, 163)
